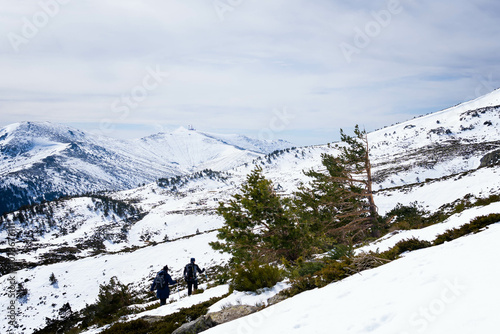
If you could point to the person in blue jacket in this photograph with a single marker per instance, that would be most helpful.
(163, 293)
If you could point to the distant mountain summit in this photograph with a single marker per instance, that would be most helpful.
(43, 161)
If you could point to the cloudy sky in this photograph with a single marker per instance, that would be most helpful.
(292, 69)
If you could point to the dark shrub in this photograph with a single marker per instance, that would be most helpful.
(407, 217)
(474, 226)
(112, 301)
(406, 245)
(488, 200)
(339, 251)
(309, 268)
(254, 276)
(332, 272)
(300, 284)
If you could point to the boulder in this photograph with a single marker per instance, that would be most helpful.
(490, 159)
(216, 318)
(276, 299)
(231, 313)
(196, 326)
(152, 318)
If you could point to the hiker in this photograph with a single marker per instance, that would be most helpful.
(160, 284)
(190, 275)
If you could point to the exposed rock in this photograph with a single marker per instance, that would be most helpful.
(232, 313)
(196, 326)
(213, 319)
(490, 159)
(276, 299)
(152, 318)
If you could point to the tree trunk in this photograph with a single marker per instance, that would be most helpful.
(371, 201)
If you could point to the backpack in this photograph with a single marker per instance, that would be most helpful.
(190, 271)
(160, 281)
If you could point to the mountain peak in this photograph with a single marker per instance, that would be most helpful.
(182, 129)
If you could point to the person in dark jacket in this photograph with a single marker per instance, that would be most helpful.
(190, 271)
(163, 293)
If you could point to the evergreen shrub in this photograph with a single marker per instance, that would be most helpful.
(329, 271)
(474, 226)
(488, 200)
(334, 271)
(254, 276)
(407, 217)
(112, 301)
(341, 250)
(309, 268)
(300, 284)
(406, 245)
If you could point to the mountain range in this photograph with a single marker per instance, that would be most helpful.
(42, 161)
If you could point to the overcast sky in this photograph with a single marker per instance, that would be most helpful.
(291, 69)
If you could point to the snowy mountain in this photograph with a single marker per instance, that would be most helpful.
(45, 161)
(443, 143)
(435, 160)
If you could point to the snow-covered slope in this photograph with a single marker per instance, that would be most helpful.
(43, 161)
(450, 288)
(476, 121)
(432, 146)
(78, 281)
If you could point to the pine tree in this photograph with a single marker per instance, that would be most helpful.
(259, 224)
(356, 180)
(339, 200)
(316, 204)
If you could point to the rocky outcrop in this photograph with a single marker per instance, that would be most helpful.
(152, 318)
(490, 159)
(232, 313)
(216, 318)
(276, 299)
(196, 326)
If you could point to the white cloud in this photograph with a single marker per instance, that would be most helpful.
(230, 72)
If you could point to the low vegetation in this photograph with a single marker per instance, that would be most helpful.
(164, 325)
(306, 275)
(255, 276)
(476, 225)
(113, 302)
